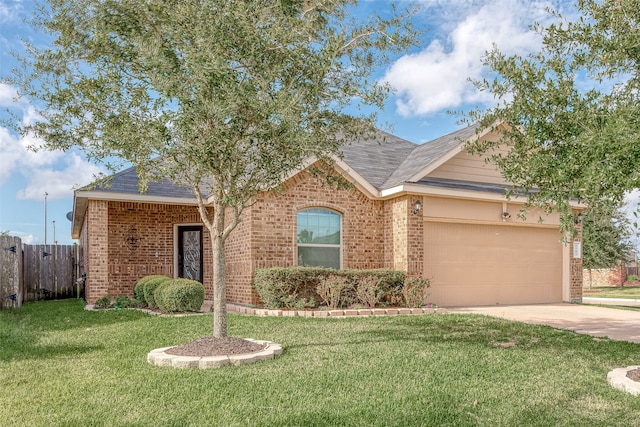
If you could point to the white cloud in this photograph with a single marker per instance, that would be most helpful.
(9, 10)
(56, 172)
(60, 182)
(436, 78)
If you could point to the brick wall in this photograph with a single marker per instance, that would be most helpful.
(604, 276)
(273, 223)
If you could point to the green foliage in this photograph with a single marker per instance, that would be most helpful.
(150, 287)
(296, 287)
(632, 278)
(369, 291)
(414, 291)
(138, 287)
(331, 290)
(104, 302)
(605, 237)
(569, 113)
(179, 295)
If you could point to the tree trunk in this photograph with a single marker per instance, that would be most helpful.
(219, 287)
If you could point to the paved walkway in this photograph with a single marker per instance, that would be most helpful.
(617, 324)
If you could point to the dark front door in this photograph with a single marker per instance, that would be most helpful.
(190, 252)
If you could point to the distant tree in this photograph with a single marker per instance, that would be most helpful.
(606, 237)
(571, 110)
(227, 97)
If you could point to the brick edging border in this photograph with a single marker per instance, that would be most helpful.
(263, 312)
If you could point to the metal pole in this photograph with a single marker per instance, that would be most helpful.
(45, 219)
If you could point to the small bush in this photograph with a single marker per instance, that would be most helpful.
(150, 287)
(331, 290)
(127, 302)
(414, 291)
(104, 302)
(369, 291)
(138, 287)
(179, 295)
(632, 278)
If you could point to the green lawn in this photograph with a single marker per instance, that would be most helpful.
(630, 292)
(63, 366)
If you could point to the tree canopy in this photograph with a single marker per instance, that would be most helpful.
(606, 237)
(571, 110)
(227, 97)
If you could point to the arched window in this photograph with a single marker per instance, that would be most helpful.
(319, 238)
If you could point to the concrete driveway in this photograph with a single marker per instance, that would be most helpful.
(620, 325)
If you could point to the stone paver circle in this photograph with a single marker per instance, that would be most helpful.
(618, 379)
(159, 357)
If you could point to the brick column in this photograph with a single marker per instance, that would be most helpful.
(575, 278)
(404, 236)
(97, 268)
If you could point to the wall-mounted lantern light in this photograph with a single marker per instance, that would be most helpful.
(578, 218)
(505, 216)
(416, 207)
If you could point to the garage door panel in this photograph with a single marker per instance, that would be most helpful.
(471, 264)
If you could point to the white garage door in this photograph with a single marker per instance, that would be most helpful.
(471, 264)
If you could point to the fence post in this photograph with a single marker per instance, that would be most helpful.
(11, 279)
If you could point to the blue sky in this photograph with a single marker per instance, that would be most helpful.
(429, 81)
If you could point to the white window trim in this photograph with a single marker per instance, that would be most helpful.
(315, 245)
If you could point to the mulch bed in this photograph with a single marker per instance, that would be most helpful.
(634, 375)
(211, 346)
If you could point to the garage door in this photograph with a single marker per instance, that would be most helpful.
(471, 264)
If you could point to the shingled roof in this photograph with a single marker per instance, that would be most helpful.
(388, 161)
(384, 161)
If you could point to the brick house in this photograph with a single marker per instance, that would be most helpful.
(429, 209)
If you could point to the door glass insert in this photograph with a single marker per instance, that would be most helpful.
(190, 252)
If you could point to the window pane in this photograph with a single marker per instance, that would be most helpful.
(319, 226)
(318, 256)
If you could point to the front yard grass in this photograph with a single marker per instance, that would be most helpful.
(628, 292)
(61, 365)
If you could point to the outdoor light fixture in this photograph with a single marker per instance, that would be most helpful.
(416, 207)
(11, 249)
(578, 218)
(505, 215)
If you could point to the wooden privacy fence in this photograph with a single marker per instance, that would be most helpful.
(35, 272)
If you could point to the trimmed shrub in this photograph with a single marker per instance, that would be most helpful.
(368, 291)
(150, 288)
(415, 291)
(138, 287)
(179, 295)
(296, 287)
(332, 289)
(287, 287)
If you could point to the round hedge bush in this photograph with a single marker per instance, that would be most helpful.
(179, 295)
(150, 287)
(138, 287)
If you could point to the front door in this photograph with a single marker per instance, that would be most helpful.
(190, 252)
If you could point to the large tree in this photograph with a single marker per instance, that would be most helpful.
(572, 109)
(606, 237)
(227, 97)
